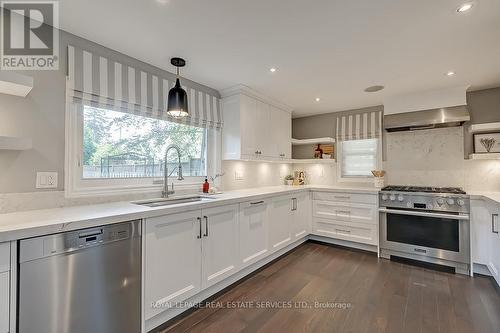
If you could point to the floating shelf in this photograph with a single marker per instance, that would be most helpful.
(15, 84)
(485, 156)
(13, 143)
(313, 160)
(487, 127)
(298, 142)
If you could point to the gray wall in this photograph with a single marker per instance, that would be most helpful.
(319, 126)
(40, 116)
(484, 107)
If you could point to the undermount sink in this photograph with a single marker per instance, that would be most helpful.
(157, 202)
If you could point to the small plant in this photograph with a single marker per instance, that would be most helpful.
(289, 177)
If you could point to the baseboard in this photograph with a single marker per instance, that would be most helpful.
(481, 269)
(167, 318)
(343, 243)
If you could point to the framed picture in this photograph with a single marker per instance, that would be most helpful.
(487, 143)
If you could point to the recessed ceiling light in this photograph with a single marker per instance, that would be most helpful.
(272, 69)
(374, 89)
(450, 73)
(465, 7)
(318, 99)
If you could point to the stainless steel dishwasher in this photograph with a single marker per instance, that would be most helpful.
(81, 281)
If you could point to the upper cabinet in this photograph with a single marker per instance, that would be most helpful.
(255, 127)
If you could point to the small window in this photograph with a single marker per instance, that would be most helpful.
(123, 145)
(359, 158)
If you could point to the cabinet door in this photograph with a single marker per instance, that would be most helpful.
(480, 230)
(253, 232)
(494, 262)
(172, 260)
(4, 302)
(280, 222)
(281, 133)
(262, 130)
(220, 243)
(249, 126)
(302, 215)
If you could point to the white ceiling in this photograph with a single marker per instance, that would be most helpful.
(331, 49)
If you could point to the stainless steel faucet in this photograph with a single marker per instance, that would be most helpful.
(165, 193)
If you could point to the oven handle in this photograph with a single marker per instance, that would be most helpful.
(412, 213)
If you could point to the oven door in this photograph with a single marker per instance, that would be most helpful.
(437, 235)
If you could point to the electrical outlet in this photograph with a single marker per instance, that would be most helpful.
(238, 175)
(46, 180)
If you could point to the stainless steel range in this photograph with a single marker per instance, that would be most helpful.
(426, 224)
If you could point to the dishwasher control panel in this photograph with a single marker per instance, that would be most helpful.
(35, 248)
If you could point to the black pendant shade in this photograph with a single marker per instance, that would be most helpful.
(177, 103)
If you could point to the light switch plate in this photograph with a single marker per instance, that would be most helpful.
(46, 180)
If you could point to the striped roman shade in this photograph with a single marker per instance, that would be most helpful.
(102, 82)
(359, 126)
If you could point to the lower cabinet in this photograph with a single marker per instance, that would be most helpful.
(188, 252)
(494, 244)
(280, 222)
(4, 302)
(172, 260)
(254, 244)
(346, 216)
(301, 215)
(220, 245)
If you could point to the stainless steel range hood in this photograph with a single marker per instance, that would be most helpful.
(427, 119)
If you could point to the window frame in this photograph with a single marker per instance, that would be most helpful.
(357, 179)
(76, 186)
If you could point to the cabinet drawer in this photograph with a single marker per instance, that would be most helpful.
(361, 233)
(4, 257)
(370, 199)
(358, 213)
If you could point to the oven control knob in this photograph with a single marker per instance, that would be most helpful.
(401, 198)
(384, 196)
(440, 201)
(460, 202)
(392, 197)
(450, 201)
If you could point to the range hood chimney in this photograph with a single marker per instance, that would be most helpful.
(426, 110)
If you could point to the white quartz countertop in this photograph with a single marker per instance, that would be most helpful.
(34, 223)
(492, 196)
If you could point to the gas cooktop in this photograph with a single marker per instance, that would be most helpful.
(423, 189)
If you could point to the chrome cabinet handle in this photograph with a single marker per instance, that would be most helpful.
(199, 221)
(206, 226)
(257, 202)
(341, 230)
(294, 204)
(342, 197)
(493, 223)
(347, 212)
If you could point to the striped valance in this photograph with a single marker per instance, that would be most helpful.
(105, 83)
(359, 126)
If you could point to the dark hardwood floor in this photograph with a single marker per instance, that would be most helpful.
(371, 295)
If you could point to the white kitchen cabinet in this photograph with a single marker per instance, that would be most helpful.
(280, 222)
(172, 260)
(255, 128)
(254, 244)
(4, 302)
(281, 133)
(220, 246)
(346, 216)
(480, 230)
(494, 240)
(302, 215)
(4, 257)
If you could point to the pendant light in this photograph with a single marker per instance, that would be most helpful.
(177, 104)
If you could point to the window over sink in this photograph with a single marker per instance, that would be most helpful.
(112, 152)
